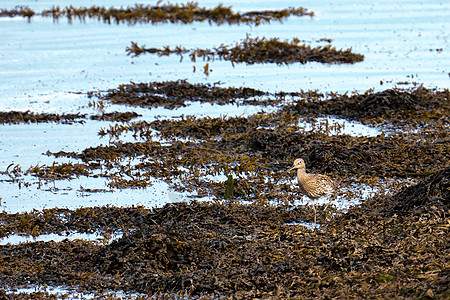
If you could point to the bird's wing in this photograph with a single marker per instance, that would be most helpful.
(320, 185)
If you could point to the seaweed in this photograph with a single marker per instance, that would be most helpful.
(217, 250)
(249, 242)
(16, 117)
(418, 106)
(116, 116)
(103, 220)
(59, 171)
(259, 50)
(174, 94)
(434, 191)
(257, 148)
(23, 11)
(155, 14)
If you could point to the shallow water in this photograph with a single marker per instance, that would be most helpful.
(65, 293)
(18, 239)
(399, 40)
(45, 65)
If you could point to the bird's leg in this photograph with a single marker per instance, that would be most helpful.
(315, 214)
(329, 202)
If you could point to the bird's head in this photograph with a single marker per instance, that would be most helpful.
(298, 164)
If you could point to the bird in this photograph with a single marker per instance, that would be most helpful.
(312, 185)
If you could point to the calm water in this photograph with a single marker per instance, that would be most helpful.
(44, 66)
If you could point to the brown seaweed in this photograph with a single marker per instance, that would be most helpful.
(259, 147)
(173, 94)
(243, 251)
(154, 14)
(16, 117)
(417, 106)
(258, 50)
(116, 116)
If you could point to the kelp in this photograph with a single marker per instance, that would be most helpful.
(175, 94)
(256, 149)
(256, 51)
(160, 13)
(116, 116)
(249, 242)
(416, 106)
(201, 249)
(16, 117)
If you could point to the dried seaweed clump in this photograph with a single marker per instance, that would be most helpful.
(192, 127)
(168, 13)
(173, 94)
(259, 50)
(16, 117)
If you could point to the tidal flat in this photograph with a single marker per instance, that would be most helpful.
(156, 170)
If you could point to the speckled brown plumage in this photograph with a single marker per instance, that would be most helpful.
(313, 185)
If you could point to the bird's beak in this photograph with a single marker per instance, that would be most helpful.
(283, 174)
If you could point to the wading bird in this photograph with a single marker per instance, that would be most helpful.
(312, 185)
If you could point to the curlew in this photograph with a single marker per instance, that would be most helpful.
(312, 185)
